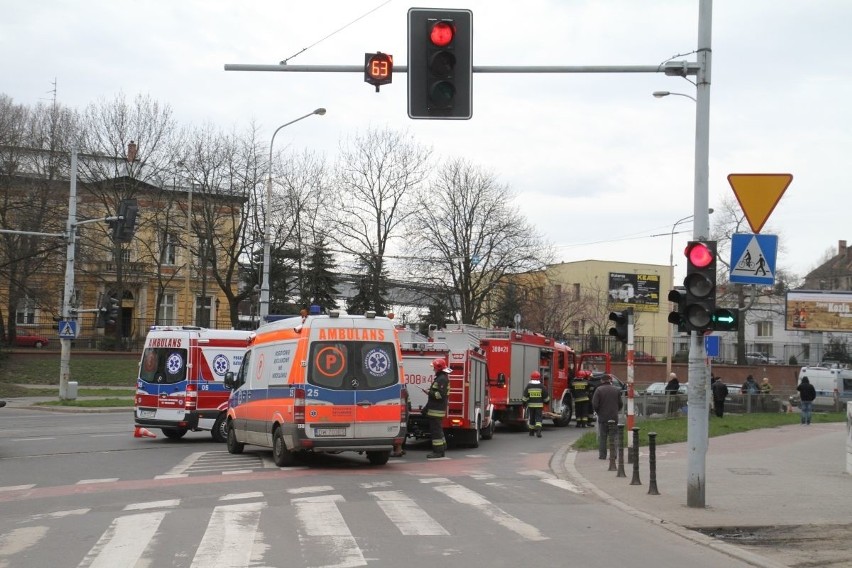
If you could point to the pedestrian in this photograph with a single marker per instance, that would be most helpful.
(765, 392)
(750, 386)
(807, 394)
(720, 393)
(436, 407)
(534, 398)
(673, 386)
(580, 394)
(606, 402)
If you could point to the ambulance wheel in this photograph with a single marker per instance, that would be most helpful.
(280, 454)
(234, 447)
(220, 429)
(488, 433)
(378, 458)
(174, 433)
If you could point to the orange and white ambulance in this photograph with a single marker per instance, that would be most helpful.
(320, 383)
(180, 387)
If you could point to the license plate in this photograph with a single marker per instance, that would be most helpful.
(322, 432)
(147, 413)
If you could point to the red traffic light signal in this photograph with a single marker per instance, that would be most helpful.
(378, 69)
(700, 285)
(442, 34)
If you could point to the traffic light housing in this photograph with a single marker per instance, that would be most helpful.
(700, 285)
(125, 226)
(726, 319)
(378, 69)
(620, 329)
(112, 307)
(677, 317)
(440, 63)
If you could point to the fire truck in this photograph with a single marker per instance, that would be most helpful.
(512, 355)
(469, 413)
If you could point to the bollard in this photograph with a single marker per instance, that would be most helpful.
(652, 462)
(610, 439)
(621, 451)
(635, 454)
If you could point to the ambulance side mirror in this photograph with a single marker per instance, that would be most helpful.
(229, 380)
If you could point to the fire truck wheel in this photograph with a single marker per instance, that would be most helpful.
(378, 458)
(234, 447)
(488, 433)
(220, 429)
(474, 435)
(174, 433)
(280, 454)
(565, 416)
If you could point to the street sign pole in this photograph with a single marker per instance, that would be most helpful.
(71, 228)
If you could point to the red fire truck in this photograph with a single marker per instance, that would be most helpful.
(469, 413)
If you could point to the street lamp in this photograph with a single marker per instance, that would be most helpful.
(661, 94)
(264, 286)
(670, 347)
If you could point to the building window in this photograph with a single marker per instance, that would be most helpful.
(763, 329)
(576, 291)
(168, 249)
(25, 314)
(166, 314)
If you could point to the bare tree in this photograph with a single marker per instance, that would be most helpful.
(467, 236)
(376, 177)
(34, 163)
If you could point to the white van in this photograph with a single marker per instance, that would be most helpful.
(833, 386)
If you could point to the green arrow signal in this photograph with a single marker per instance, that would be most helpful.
(725, 319)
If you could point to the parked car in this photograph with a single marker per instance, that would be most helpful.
(595, 382)
(24, 338)
(643, 357)
(660, 389)
(757, 358)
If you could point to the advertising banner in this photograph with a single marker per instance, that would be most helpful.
(817, 310)
(638, 291)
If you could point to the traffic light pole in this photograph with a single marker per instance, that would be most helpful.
(71, 230)
(698, 419)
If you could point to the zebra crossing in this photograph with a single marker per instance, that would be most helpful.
(329, 528)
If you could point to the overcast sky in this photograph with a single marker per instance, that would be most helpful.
(597, 162)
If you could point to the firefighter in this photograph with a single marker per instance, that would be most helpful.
(535, 397)
(436, 407)
(580, 392)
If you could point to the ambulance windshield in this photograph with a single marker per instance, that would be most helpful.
(353, 365)
(163, 365)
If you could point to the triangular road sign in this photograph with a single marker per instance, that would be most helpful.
(758, 195)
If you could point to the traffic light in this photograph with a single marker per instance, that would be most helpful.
(620, 329)
(112, 310)
(677, 317)
(726, 319)
(440, 63)
(700, 285)
(378, 69)
(124, 227)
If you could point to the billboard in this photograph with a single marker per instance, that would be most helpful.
(638, 291)
(818, 310)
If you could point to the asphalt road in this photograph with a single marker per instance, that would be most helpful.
(80, 490)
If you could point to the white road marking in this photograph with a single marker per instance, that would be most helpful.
(171, 476)
(185, 464)
(311, 489)
(123, 543)
(18, 541)
(153, 505)
(32, 439)
(406, 515)
(104, 480)
(59, 514)
(230, 536)
(324, 525)
(466, 496)
(235, 496)
(17, 487)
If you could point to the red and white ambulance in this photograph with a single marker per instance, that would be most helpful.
(180, 387)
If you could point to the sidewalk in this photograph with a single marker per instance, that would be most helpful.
(31, 402)
(787, 476)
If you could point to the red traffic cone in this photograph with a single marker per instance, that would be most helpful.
(141, 432)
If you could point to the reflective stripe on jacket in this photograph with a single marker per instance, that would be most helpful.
(534, 395)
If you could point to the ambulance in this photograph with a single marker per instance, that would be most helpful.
(180, 386)
(320, 383)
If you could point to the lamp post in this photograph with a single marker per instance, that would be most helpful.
(267, 224)
(661, 94)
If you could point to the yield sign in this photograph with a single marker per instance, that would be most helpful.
(758, 195)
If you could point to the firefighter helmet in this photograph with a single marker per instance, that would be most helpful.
(535, 376)
(584, 374)
(439, 364)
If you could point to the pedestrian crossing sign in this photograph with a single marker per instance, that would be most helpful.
(753, 259)
(67, 329)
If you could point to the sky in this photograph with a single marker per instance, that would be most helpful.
(601, 167)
